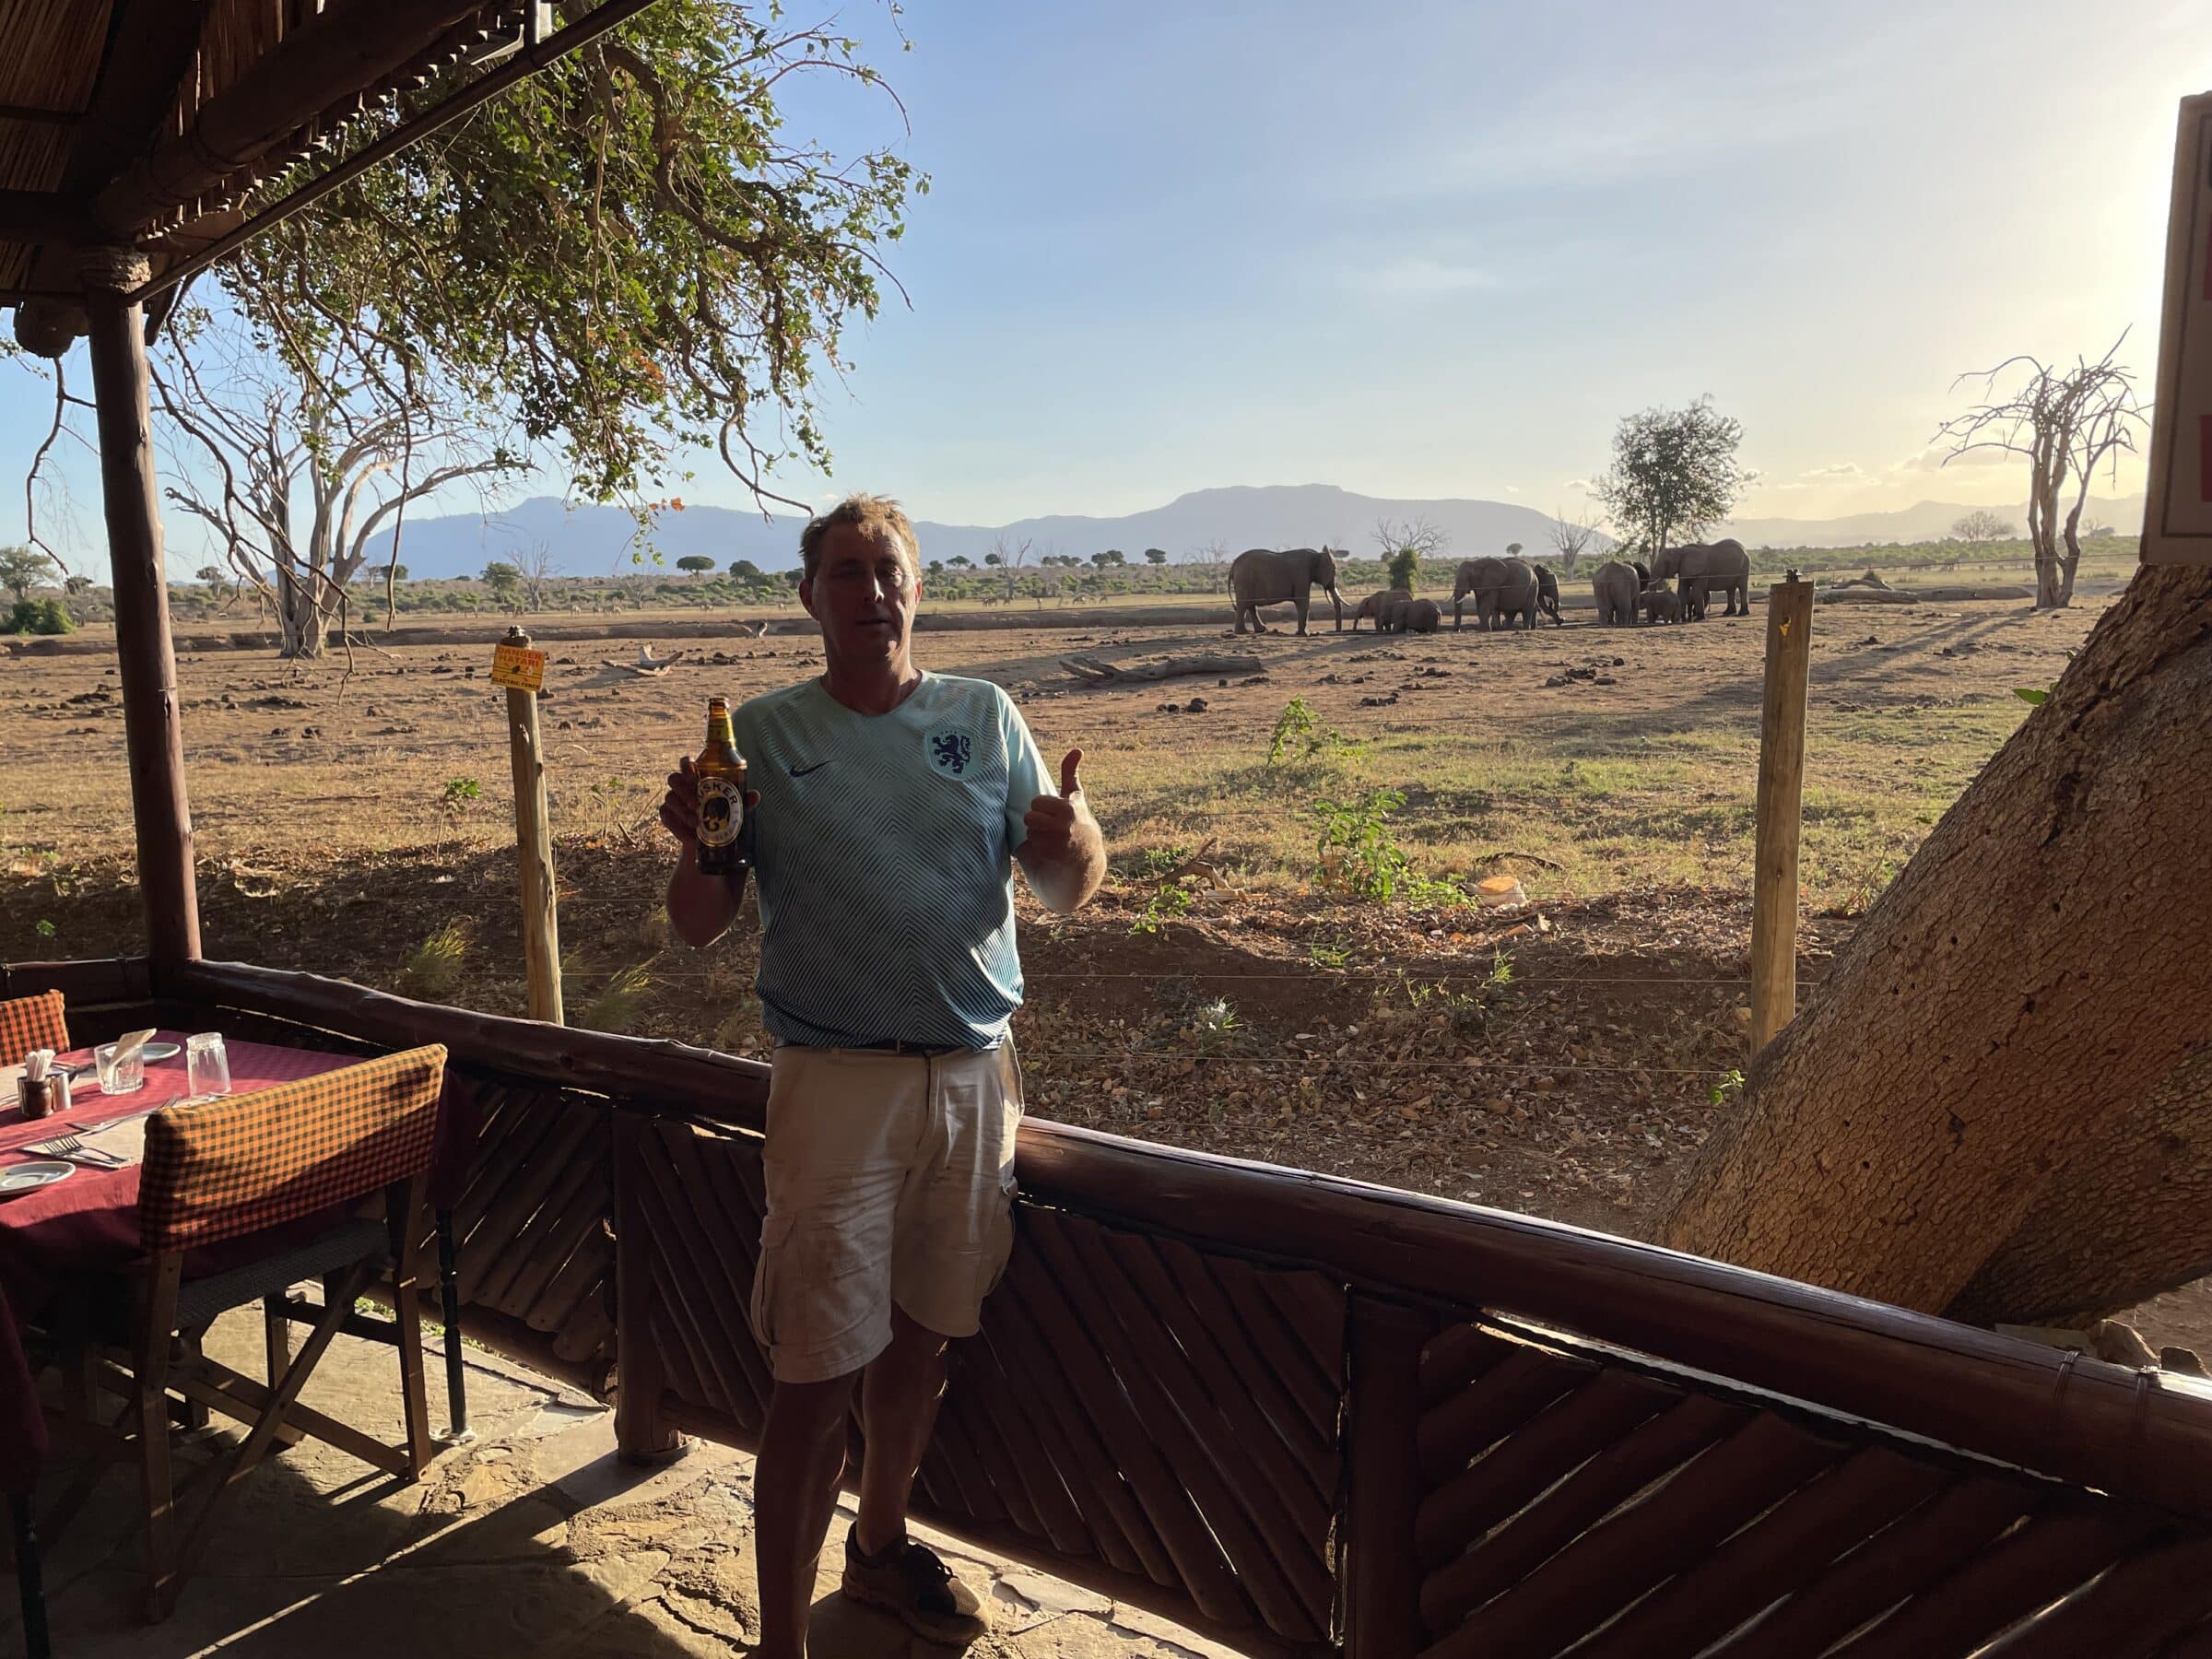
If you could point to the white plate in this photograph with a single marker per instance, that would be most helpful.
(30, 1177)
(159, 1051)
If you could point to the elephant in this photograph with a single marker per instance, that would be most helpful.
(1720, 565)
(1643, 576)
(1396, 606)
(1504, 589)
(1615, 587)
(1661, 604)
(1261, 577)
(1371, 607)
(1514, 601)
(1548, 595)
(1693, 600)
(1419, 615)
(1477, 576)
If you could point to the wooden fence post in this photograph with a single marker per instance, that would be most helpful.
(534, 846)
(642, 1434)
(1380, 1572)
(1780, 798)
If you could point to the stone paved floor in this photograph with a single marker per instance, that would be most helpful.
(535, 1540)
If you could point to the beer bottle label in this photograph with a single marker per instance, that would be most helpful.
(720, 811)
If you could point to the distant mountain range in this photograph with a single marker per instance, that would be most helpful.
(597, 541)
(1926, 521)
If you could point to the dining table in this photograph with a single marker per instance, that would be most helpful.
(85, 1225)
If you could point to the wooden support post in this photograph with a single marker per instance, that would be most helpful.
(534, 846)
(642, 1432)
(153, 739)
(1780, 797)
(1379, 1571)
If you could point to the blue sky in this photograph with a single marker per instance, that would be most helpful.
(1428, 249)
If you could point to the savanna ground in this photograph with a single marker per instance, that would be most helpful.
(1227, 991)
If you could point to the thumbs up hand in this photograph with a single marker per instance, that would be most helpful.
(1064, 853)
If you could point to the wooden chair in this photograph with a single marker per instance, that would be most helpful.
(32, 1022)
(233, 1168)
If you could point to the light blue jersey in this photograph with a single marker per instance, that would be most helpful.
(883, 851)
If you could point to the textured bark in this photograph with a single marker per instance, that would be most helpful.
(2039, 968)
(2126, 1215)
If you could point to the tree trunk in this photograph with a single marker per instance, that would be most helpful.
(2034, 974)
(2071, 561)
(301, 623)
(2126, 1215)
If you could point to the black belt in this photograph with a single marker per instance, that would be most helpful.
(919, 1051)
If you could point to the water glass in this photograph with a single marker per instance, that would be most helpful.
(207, 1066)
(127, 1078)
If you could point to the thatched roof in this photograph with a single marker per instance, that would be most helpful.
(149, 124)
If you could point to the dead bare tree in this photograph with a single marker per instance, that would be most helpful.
(1007, 555)
(1571, 538)
(297, 464)
(536, 565)
(1982, 526)
(2067, 423)
(1424, 537)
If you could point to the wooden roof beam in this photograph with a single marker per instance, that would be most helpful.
(330, 56)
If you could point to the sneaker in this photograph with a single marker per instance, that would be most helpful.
(907, 1581)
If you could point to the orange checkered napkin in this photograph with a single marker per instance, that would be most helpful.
(32, 1022)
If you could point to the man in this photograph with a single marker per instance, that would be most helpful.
(890, 807)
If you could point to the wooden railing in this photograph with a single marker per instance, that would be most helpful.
(1308, 1416)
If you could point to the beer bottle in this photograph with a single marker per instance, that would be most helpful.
(721, 770)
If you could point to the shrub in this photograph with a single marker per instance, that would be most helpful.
(38, 617)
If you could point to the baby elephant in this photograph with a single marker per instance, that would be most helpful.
(1420, 617)
(1661, 604)
(1374, 604)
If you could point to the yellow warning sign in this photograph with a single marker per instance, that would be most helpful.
(519, 667)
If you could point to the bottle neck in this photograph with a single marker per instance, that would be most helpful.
(718, 731)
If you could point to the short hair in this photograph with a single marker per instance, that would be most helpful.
(878, 515)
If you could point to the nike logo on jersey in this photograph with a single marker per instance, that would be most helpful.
(800, 771)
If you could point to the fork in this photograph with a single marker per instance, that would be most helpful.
(70, 1146)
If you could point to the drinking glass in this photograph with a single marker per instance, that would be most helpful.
(128, 1078)
(207, 1066)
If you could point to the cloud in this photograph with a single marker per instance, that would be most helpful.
(1934, 460)
(1840, 469)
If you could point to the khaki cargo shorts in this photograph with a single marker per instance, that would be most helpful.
(890, 1179)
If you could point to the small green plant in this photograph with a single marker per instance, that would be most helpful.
(1727, 1088)
(1167, 900)
(1354, 849)
(1215, 1028)
(1299, 737)
(459, 795)
(43, 928)
(1501, 971)
(1152, 863)
(619, 1000)
(1328, 953)
(433, 968)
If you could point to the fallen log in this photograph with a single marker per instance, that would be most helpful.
(1097, 671)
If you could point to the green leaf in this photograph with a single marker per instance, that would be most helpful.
(2030, 694)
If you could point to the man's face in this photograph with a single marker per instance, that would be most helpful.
(862, 592)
